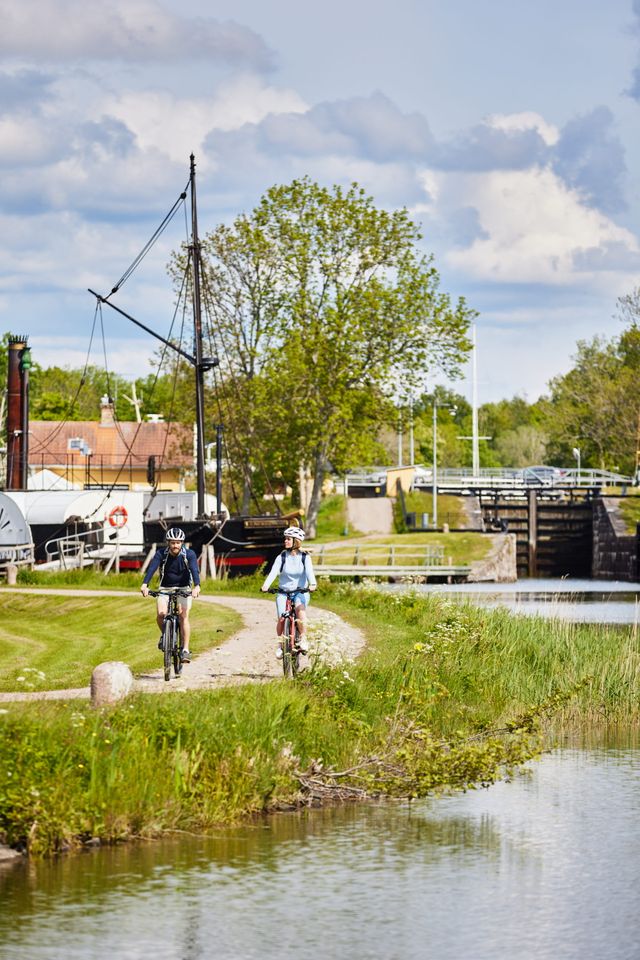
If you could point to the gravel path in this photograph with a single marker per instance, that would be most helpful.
(248, 656)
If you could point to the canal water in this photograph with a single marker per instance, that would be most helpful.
(544, 866)
(580, 601)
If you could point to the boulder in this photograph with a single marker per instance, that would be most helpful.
(110, 682)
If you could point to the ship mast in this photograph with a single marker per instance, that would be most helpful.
(200, 364)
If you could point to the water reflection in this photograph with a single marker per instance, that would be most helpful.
(578, 601)
(546, 866)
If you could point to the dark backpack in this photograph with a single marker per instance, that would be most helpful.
(183, 554)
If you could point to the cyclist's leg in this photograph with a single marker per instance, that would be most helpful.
(185, 626)
(281, 602)
(162, 606)
(301, 600)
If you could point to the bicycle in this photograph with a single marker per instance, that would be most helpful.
(171, 636)
(290, 635)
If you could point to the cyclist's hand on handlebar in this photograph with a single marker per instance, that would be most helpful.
(144, 590)
(311, 589)
(195, 590)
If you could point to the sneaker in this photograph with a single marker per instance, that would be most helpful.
(279, 652)
(303, 645)
(185, 656)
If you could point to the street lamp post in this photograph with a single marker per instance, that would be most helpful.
(435, 464)
(576, 454)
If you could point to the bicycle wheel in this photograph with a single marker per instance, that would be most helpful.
(287, 648)
(167, 646)
(177, 662)
(295, 650)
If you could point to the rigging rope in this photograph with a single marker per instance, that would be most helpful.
(46, 443)
(150, 243)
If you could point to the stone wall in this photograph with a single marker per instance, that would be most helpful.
(499, 566)
(615, 551)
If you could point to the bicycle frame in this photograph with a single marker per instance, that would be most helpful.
(290, 635)
(171, 632)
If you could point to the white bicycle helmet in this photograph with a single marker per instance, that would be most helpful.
(175, 533)
(296, 532)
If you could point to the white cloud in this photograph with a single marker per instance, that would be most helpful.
(136, 30)
(178, 125)
(533, 227)
(525, 121)
(23, 141)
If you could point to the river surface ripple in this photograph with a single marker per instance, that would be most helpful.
(544, 866)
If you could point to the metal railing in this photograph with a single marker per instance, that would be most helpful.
(378, 554)
(525, 477)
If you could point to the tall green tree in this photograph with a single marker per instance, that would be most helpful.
(320, 305)
(363, 313)
(595, 406)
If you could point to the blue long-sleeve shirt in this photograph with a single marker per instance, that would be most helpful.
(176, 572)
(295, 574)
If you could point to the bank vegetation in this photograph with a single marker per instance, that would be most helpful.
(446, 697)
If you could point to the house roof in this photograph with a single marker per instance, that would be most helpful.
(53, 442)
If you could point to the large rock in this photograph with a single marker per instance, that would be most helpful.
(110, 682)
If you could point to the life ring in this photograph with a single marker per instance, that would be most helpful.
(118, 517)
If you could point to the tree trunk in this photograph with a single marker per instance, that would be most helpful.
(319, 467)
(246, 496)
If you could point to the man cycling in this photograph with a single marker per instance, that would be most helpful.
(178, 568)
(294, 570)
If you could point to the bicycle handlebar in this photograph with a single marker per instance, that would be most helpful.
(288, 593)
(166, 591)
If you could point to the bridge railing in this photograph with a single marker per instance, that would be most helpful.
(542, 476)
(527, 477)
(378, 554)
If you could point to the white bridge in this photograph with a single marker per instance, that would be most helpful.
(464, 479)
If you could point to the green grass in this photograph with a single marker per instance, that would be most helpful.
(55, 642)
(409, 548)
(445, 695)
(630, 512)
(332, 520)
(450, 508)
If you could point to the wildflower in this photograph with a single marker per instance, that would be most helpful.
(4, 711)
(21, 679)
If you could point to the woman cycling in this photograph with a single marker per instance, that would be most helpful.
(296, 575)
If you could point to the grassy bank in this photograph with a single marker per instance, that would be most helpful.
(56, 641)
(409, 548)
(450, 508)
(446, 695)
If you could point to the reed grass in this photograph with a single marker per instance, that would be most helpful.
(446, 695)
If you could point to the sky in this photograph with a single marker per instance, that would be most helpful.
(507, 128)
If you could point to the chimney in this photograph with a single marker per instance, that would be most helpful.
(106, 412)
(19, 364)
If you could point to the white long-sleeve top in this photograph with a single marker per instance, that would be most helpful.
(295, 574)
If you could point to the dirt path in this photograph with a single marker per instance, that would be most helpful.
(247, 656)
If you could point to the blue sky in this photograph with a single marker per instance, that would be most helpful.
(507, 128)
